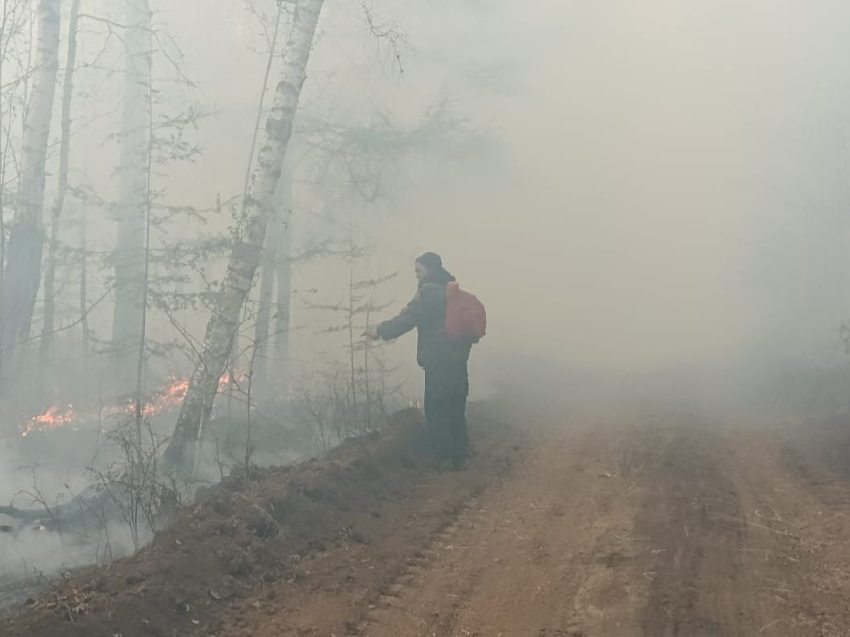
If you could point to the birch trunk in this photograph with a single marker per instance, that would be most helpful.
(46, 345)
(26, 240)
(133, 201)
(246, 253)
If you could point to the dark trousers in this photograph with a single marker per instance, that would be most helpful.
(446, 390)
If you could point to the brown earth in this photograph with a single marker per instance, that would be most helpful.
(653, 524)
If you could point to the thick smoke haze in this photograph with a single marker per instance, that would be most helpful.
(641, 193)
(663, 185)
(677, 199)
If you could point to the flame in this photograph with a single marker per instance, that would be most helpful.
(165, 399)
(53, 418)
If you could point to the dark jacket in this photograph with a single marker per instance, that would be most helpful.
(427, 313)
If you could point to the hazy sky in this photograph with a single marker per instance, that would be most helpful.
(674, 200)
(669, 182)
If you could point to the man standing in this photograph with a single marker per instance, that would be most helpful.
(444, 360)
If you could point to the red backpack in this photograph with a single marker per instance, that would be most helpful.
(466, 319)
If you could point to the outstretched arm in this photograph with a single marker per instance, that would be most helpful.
(407, 319)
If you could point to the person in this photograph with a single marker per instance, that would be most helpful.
(444, 361)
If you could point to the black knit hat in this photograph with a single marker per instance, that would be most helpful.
(431, 261)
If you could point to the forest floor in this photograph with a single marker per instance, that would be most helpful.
(650, 523)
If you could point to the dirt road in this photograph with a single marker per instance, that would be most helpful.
(670, 526)
(649, 525)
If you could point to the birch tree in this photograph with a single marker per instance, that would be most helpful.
(22, 276)
(247, 249)
(134, 199)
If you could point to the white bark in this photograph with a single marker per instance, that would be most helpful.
(46, 345)
(26, 241)
(133, 201)
(246, 253)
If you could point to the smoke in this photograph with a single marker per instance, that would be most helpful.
(674, 201)
(41, 473)
(659, 187)
(651, 202)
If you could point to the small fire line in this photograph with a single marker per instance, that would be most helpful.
(55, 417)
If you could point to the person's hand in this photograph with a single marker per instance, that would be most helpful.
(371, 334)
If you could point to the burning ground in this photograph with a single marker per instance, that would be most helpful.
(168, 398)
(262, 535)
(62, 480)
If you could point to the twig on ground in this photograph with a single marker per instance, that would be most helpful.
(773, 623)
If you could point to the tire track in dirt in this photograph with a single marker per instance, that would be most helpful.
(727, 522)
(392, 599)
(692, 522)
(668, 525)
(534, 555)
(798, 511)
